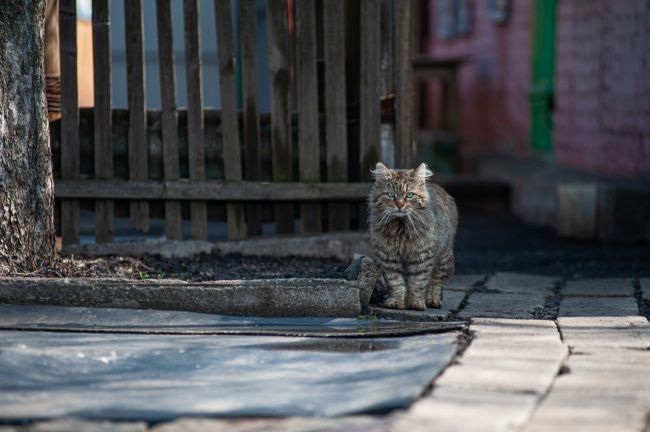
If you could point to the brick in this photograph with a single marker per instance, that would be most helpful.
(605, 287)
(503, 305)
(598, 307)
(521, 283)
(590, 332)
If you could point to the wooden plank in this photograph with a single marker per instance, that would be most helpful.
(336, 135)
(280, 78)
(307, 107)
(369, 116)
(404, 145)
(252, 161)
(102, 114)
(69, 117)
(138, 154)
(171, 166)
(229, 113)
(369, 94)
(195, 147)
(218, 190)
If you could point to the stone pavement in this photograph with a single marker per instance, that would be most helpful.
(542, 354)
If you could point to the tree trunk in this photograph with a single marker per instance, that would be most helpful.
(26, 186)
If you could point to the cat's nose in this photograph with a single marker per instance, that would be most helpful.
(399, 203)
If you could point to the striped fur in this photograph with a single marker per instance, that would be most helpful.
(412, 229)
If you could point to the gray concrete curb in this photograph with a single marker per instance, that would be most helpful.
(341, 246)
(259, 297)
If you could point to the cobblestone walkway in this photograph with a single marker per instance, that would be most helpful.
(544, 354)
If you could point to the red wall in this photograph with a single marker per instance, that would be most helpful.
(602, 84)
(602, 116)
(494, 81)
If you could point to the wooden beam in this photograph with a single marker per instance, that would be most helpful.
(213, 190)
(102, 114)
(307, 107)
(69, 116)
(336, 131)
(229, 114)
(171, 165)
(138, 150)
(280, 78)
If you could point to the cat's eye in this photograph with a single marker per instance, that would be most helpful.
(390, 194)
(409, 195)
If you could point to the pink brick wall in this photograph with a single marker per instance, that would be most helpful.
(602, 116)
(602, 83)
(494, 80)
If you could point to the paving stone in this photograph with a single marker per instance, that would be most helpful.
(598, 307)
(462, 410)
(500, 359)
(606, 287)
(493, 386)
(503, 305)
(450, 302)
(463, 282)
(604, 390)
(580, 332)
(521, 283)
(645, 288)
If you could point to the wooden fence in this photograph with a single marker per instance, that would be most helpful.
(330, 62)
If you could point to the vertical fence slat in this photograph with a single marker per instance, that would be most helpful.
(404, 145)
(138, 154)
(229, 113)
(195, 148)
(102, 115)
(171, 166)
(369, 116)
(335, 108)
(279, 71)
(307, 106)
(369, 93)
(69, 117)
(252, 161)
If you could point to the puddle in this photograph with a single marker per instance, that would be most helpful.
(335, 345)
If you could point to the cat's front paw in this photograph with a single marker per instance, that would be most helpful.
(434, 303)
(394, 303)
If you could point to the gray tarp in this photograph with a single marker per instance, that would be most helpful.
(156, 377)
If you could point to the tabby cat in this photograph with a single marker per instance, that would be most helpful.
(412, 229)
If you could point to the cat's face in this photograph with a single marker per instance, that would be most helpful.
(399, 193)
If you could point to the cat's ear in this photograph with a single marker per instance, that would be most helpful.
(423, 172)
(381, 171)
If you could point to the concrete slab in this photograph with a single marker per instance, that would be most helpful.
(342, 246)
(163, 377)
(261, 297)
(521, 283)
(645, 288)
(503, 305)
(464, 410)
(463, 282)
(484, 392)
(582, 332)
(450, 302)
(604, 390)
(598, 307)
(606, 287)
